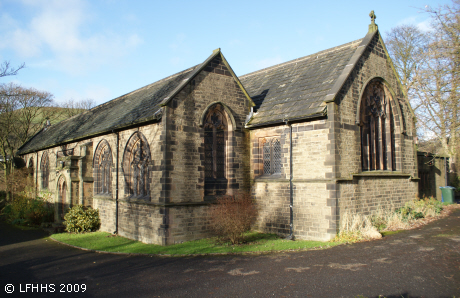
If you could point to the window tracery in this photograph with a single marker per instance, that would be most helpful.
(377, 129)
(136, 162)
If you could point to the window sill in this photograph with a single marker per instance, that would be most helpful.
(382, 173)
(103, 196)
(271, 178)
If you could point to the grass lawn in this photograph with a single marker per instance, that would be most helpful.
(254, 242)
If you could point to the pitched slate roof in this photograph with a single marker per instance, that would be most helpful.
(140, 106)
(137, 106)
(297, 89)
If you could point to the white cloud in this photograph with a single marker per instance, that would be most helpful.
(60, 29)
(268, 62)
(424, 25)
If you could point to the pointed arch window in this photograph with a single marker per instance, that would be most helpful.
(103, 168)
(45, 170)
(136, 166)
(377, 129)
(215, 131)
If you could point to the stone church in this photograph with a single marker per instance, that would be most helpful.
(310, 139)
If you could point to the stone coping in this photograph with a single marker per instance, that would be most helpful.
(382, 174)
(144, 202)
(268, 179)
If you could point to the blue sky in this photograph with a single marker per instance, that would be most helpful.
(79, 49)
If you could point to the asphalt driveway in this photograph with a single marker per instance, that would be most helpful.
(424, 262)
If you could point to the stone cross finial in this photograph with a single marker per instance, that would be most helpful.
(373, 17)
(373, 26)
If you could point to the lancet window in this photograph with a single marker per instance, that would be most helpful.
(45, 170)
(103, 168)
(30, 167)
(215, 130)
(62, 195)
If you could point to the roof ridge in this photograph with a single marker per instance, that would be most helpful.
(145, 87)
(302, 58)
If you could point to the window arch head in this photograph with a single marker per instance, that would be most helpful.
(377, 128)
(136, 166)
(45, 170)
(102, 167)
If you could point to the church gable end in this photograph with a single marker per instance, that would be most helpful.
(374, 153)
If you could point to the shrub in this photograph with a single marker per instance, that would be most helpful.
(82, 219)
(420, 208)
(356, 227)
(28, 211)
(232, 216)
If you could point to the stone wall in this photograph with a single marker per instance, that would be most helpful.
(364, 192)
(312, 209)
(107, 211)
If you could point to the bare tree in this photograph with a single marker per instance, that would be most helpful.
(73, 107)
(7, 70)
(429, 64)
(438, 82)
(406, 45)
(23, 113)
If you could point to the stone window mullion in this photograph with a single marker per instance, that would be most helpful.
(377, 149)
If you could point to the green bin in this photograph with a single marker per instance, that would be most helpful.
(448, 194)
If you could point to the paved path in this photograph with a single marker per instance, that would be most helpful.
(420, 263)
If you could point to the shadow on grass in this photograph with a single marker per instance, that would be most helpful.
(254, 242)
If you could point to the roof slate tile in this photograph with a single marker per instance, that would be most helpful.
(303, 83)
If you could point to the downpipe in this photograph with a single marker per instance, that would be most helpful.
(116, 184)
(291, 188)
